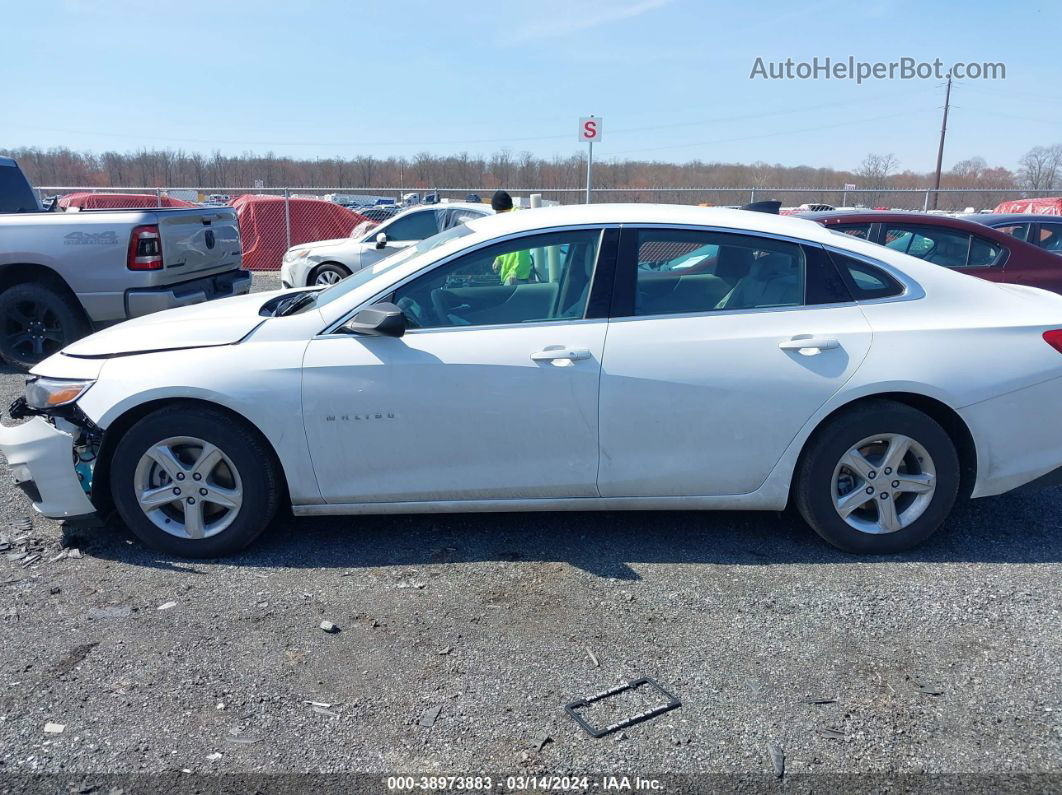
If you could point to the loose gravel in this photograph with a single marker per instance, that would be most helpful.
(456, 640)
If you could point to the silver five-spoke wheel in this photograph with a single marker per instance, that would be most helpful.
(327, 277)
(188, 487)
(883, 483)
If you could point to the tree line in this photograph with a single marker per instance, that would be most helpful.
(1039, 171)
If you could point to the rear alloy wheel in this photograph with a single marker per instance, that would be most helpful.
(36, 322)
(328, 274)
(879, 478)
(194, 483)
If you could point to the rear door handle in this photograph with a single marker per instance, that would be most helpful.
(809, 345)
(553, 352)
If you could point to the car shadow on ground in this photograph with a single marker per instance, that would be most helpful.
(1018, 528)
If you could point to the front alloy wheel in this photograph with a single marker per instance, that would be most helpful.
(193, 481)
(188, 487)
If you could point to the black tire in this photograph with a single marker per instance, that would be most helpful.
(249, 453)
(36, 321)
(814, 484)
(328, 270)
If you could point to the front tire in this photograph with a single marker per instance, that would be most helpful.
(877, 479)
(328, 274)
(193, 483)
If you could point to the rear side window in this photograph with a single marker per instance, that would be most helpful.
(1020, 231)
(951, 248)
(680, 271)
(865, 281)
(16, 195)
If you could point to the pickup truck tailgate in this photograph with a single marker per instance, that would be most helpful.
(199, 241)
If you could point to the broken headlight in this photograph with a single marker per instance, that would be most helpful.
(51, 393)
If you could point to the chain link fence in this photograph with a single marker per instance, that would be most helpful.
(274, 219)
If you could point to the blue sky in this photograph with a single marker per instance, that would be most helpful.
(670, 78)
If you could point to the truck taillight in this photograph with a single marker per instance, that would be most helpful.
(1054, 339)
(145, 249)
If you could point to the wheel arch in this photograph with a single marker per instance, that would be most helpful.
(944, 415)
(101, 493)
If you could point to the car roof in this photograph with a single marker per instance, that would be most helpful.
(992, 219)
(905, 216)
(484, 208)
(672, 214)
(7, 161)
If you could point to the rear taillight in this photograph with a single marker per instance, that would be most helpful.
(1054, 339)
(145, 249)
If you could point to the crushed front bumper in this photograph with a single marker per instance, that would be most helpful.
(41, 459)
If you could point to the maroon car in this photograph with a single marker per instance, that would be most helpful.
(952, 242)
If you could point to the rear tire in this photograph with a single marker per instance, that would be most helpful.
(37, 321)
(328, 274)
(878, 479)
(193, 483)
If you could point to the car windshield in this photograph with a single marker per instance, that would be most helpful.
(341, 288)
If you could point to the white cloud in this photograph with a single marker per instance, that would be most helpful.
(566, 20)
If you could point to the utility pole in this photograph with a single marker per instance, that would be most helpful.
(940, 149)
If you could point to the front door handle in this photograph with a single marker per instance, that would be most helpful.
(809, 345)
(553, 352)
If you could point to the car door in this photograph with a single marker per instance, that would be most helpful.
(492, 393)
(402, 231)
(705, 383)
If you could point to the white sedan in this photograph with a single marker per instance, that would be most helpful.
(602, 357)
(325, 262)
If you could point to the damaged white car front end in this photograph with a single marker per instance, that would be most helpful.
(52, 455)
(46, 458)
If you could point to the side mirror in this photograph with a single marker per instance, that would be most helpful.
(378, 320)
(381, 240)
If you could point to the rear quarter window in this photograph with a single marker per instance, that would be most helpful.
(866, 282)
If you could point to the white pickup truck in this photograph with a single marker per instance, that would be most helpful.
(65, 274)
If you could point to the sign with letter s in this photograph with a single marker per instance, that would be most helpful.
(590, 129)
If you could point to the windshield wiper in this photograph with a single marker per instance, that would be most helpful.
(295, 303)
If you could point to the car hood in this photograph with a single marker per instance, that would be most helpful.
(222, 322)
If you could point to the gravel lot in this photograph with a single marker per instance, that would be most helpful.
(945, 660)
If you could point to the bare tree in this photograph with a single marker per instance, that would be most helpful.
(1041, 167)
(875, 170)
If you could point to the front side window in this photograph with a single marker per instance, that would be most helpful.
(525, 280)
(951, 248)
(682, 271)
(415, 226)
(1050, 237)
